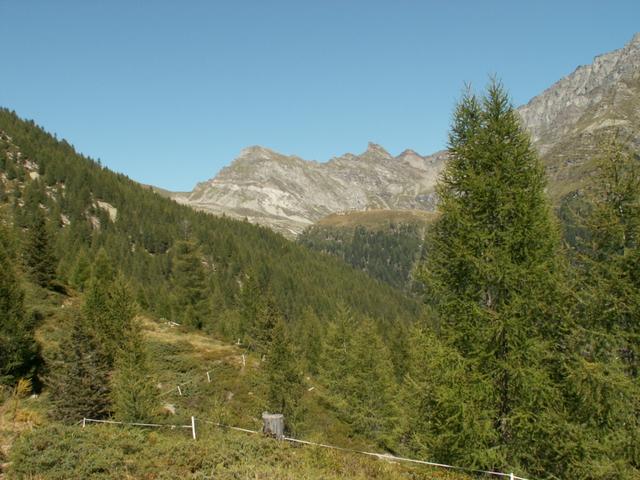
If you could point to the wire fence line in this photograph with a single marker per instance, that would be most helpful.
(381, 456)
(384, 456)
(84, 421)
(179, 386)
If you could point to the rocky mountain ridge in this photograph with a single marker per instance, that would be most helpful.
(288, 193)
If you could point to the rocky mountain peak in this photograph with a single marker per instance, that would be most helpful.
(408, 152)
(558, 109)
(288, 193)
(257, 151)
(375, 150)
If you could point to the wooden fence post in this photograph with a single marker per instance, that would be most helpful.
(273, 425)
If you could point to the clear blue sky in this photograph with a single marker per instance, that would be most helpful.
(168, 92)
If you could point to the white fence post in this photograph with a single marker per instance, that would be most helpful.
(208, 377)
(193, 427)
(511, 476)
(179, 391)
(84, 422)
(244, 363)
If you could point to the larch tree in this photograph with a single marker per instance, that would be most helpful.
(369, 387)
(442, 405)
(335, 352)
(108, 307)
(608, 252)
(604, 384)
(134, 395)
(492, 274)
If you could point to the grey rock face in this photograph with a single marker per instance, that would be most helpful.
(288, 193)
(568, 121)
(556, 111)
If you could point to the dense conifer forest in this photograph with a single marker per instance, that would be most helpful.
(522, 356)
(388, 252)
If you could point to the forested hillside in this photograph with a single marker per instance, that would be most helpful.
(162, 247)
(386, 244)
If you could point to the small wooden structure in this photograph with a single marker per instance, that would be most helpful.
(273, 425)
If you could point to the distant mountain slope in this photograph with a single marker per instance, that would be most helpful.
(288, 193)
(376, 219)
(89, 207)
(385, 244)
(567, 120)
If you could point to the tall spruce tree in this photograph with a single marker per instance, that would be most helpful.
(79, 376)
(492, 273)
(369, 388)
(38, 252)
(108, 307)
(19, 351)
(133, 392)
(189, 285)
(283, 376)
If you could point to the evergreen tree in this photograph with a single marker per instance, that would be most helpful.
(250, 301)
(335, 352)
(19, 351)
(38, 253)
(492, 273)
(189, 285)
(310, 338)
(608, 252)
(108, 308)
(397, 338)
(79, 378)
(443, 405)
(133, 392)
(283, 375)
(81, 272)
(261, 332)
(370, 385)
(603, 386)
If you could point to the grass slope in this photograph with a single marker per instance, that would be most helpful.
(42, 449)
